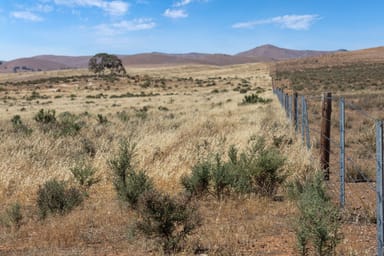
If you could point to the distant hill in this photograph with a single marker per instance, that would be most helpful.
(340, 58)
(272, 53)
(188, 58)
(264, 53)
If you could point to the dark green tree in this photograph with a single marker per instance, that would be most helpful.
(102, 62)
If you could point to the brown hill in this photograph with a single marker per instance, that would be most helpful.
(272, 53)
(265, 53)
(189, 58)
(371, 55)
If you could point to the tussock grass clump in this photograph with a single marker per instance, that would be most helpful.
(55, 197)
(13, 216)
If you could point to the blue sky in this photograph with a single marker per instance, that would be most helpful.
(86, 27)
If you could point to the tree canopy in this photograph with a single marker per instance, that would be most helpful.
(104, 61)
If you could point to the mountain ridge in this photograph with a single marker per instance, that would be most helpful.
(264, 53)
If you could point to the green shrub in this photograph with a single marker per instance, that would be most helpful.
(102, 119)
(13, 215)
(46, 117)
(169, 220)
(54, 197)
(222, 178)
(197, 183)
(85, 175)
(318, 223)
(253, 99)
(266, 177)
(129, 183)
(255, 170)
(69, 124)
(19, 126)
(88, 147)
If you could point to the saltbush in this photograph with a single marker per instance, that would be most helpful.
(318, 223)
(85, 175)
(168, 220)
(255, 170)
(69, 124)
(253, 99)
(19, 126)
(45, 117)
(13, 216)
(54, 197)
(197, 183)
(129, 182)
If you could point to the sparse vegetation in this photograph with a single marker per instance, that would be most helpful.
(318, 225)
(253, 99)
(19, 126)
(166, 219)
(13, 215)
(129, 182)
(85, 175)
(180, 133)
(55, 197)
(255, 170)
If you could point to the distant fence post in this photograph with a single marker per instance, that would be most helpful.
(342, 151)
(295, 111)
(325, 136)
(290, 107)
(286, 104)
(306, 124)
(379, 187)
(302, 118)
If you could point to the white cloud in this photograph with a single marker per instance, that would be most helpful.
(115, 8)
(43, 8)
(136, 24)
(26, 15)
(175, 14)
(295, 22)
(182, 3)
(124, 26)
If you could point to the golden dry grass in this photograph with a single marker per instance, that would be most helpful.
(185, 123)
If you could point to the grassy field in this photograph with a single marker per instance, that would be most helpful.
(177, 116)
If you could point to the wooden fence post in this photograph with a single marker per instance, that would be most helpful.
(325, 136)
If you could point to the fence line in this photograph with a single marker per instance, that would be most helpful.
(355, 155)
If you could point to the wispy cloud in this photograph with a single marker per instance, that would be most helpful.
(115, 8)
(43, 8)
(125, 26)
(295, 22)
(175, 14)
(26, 15)
(182, 3)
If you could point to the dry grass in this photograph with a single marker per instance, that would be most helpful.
(187, 121)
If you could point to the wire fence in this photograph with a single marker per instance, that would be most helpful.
(347, 142)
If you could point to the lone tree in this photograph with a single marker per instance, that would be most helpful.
(104, 61)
